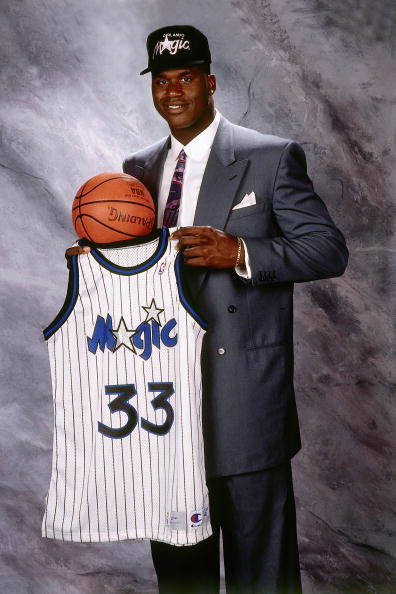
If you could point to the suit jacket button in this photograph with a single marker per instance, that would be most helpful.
(232, 308)
(221, 351)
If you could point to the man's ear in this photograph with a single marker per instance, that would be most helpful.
(211, 83)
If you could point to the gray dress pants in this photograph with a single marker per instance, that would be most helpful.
(255, 513)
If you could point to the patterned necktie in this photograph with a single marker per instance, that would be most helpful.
(172, 205)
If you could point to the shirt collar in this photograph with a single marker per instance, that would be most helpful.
(199, 146)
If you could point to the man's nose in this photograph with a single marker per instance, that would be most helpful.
(175, 89)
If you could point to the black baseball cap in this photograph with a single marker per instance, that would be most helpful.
(176, 46)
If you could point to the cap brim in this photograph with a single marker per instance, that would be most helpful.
(169, 66)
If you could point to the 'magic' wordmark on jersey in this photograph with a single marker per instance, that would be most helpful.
(149, 333)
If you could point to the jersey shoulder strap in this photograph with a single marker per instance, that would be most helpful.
(69, 303)
(185, 293)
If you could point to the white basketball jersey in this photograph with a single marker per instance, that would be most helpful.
(128, 460)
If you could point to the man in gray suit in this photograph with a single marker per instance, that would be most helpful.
(250, 226)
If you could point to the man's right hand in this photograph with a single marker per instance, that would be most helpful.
(76, 251)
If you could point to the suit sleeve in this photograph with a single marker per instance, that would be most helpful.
(308, 245)
(127, 164)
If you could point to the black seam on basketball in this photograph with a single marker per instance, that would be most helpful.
(140, 239)
(79, 205)
(79, 211)
(104, 225)
(82, 223)
(103, 182)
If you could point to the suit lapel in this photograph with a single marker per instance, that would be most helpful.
(154, 165)
(149, 170)
(223, 175)
(217, 193)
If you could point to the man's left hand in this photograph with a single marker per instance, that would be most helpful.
(206, 246)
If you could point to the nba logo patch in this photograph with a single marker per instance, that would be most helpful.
(161, 269)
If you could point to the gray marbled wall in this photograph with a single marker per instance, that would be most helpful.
(72, 105)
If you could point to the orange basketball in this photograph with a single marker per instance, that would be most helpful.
(113, 207)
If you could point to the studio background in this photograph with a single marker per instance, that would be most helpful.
(72, 105)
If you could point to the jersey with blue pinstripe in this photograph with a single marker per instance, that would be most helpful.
(125, 364)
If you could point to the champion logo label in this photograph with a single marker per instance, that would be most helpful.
(173, 45)
(198, 517)
(176, 520)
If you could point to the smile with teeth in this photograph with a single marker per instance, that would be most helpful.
(176, 106)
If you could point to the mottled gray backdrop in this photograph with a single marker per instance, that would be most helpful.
(72, 105)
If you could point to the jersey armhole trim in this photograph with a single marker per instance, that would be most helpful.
(69, 303)
(182, 294)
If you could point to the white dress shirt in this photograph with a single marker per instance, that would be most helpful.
(197, 155)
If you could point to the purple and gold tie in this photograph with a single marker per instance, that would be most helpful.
(172, 205)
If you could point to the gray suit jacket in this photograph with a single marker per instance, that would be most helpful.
(249, 411)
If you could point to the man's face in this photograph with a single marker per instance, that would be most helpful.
(182, 96)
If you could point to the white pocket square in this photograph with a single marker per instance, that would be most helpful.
(247, 200)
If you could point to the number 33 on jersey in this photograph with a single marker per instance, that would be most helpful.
(125, 352)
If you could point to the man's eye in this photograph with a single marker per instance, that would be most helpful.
(161, 82)
(187, 79)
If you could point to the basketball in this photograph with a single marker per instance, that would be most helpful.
(112, 207)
